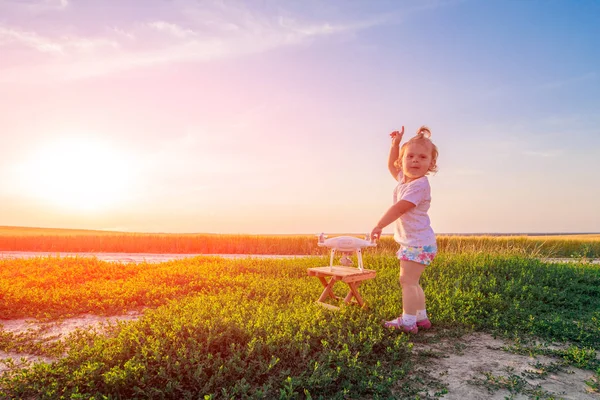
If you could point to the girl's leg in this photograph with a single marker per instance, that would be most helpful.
(413, 298)
(421, 302)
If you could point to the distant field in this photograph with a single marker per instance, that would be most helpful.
(74, 240)
(587, 236)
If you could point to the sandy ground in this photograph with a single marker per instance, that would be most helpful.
(55, 330)
(462, 366)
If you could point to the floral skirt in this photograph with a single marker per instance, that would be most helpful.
(422, 255)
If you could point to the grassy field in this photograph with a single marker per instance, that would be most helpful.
(217, 328)
(66, 240)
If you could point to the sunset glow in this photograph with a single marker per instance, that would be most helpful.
(76, 174)
(227, 116)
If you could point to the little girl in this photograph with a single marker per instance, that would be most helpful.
(409, 165)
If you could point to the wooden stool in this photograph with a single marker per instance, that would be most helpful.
(352, 276)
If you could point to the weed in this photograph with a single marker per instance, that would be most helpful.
(542, 370)
(513, 383)
(593, 383)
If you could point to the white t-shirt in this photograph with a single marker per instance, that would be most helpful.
(413, 228)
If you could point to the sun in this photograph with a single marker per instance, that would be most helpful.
(77, 174)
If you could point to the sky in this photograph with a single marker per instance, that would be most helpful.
(257, 117)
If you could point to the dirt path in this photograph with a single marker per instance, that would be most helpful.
(476, 367)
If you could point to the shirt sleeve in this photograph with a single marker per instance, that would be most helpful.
(417, 191)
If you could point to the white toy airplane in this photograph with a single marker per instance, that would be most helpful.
(346, 244)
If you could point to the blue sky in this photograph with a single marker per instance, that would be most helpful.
(273, 117)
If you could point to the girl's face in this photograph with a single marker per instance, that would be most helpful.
(416, 160)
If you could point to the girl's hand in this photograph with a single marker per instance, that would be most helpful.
(397, 136)
(376, 233)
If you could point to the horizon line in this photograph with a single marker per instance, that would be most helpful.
(16, 227)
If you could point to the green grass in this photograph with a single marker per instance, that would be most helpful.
(217, 328)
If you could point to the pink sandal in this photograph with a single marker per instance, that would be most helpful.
(397, 324)
(424, 324)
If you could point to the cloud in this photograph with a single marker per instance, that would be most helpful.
(35, 6)
(172, 29)
(30, 40)
(122, 33)
(198, 35)
(326, 28)
(543, 153)
(42, 44)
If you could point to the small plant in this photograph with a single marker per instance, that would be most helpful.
(459, 348)
(593, 383)
(581, 357)
(542, 370)
(513, 383)
(584, 253)
(288, 392)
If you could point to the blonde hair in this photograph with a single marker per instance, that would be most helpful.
(423, 135)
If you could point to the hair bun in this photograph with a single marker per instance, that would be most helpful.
(424, 131)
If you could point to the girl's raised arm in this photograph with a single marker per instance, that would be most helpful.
(394, 152)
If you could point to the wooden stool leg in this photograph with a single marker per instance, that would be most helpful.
(327, 292)
(348, 298)
(354, 293)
